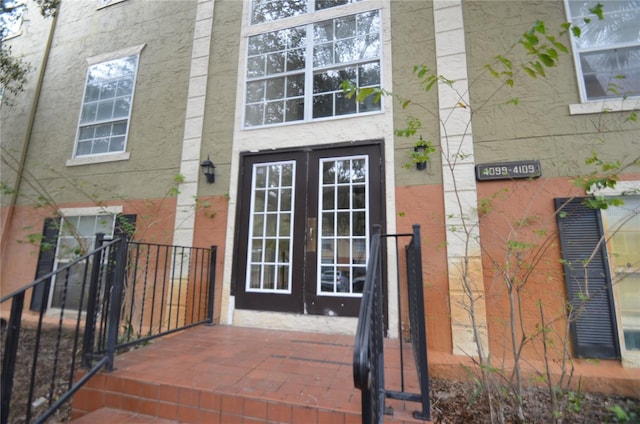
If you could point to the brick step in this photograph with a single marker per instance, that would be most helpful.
(110, 415)
(236, 375)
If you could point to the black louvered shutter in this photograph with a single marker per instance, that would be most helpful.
(125, 225)
(593, 331)
(46, 259)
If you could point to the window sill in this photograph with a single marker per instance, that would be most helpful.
(89, 160)
(614, 105)
(107, 3)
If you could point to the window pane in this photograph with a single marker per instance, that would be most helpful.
(369, 74)
(84, 148)
(323, 32)
(323, 106)
(271, 10)
(275, 88)
(275, 63)
(344, 105)
(325, 4)
(274, 113)
(619, 26)
(117, 144)
(256, 66)
(122, 106)
(254, 115)
(88, 113)
(255, 91)
(611, 73)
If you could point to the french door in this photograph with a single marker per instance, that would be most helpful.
(304, 220)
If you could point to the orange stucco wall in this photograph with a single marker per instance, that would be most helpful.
(424, 205)
(154, 223)
(211, 230)
(522, 211)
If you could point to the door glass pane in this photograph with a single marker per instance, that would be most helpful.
(623, 226)
(271, 228)
(343, 241)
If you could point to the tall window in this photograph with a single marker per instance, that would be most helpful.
(622, 224)
(271, 224)
(295, 74)
(106, 107)
(76, 237)
(608, 51)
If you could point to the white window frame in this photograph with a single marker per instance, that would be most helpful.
(252, 213)
(69, 213)
(630, 358)
(613, 104)
(20, 9)
(106, 3)
(107, 156)
(307, 20)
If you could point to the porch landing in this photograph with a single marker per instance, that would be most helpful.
(224, 374)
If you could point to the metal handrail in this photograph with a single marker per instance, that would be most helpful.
(117, 291)
(368, 356)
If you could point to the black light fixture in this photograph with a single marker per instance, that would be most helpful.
(419, 148)
(208, 169)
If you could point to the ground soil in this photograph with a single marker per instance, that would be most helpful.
(452, 401)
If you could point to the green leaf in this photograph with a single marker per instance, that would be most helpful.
(531, 38)
(577, 32)
(430, 84)
(363, 93)
(597, 10)
(509, 82)
(540, 27)
(539, 68)
(546, 59)
(633, 117)
(529, 71)
(528, 46)
(558, 45)
(506, 62)
(492, 71)
(513, 101)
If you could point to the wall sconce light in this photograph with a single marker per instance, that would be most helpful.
(208, 169)
(419, 153)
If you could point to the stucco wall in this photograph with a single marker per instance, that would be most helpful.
(221, 93)
(540, 126)
(157, 117)
(413, 45)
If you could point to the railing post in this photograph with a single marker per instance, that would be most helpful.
(116, 301)
(212, 280)
(10, 354)
(90, 321)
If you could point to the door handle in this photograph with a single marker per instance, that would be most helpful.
(311, 234)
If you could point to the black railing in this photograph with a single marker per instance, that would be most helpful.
(368, 363)
(368, 355)
(121, 294)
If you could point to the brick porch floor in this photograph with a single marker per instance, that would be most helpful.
(223, 374)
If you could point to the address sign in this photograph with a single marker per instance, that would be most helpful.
(508, 170)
